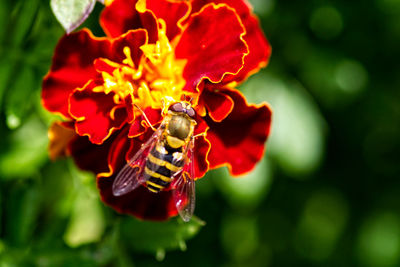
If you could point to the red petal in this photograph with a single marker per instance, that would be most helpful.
(122, 16)
(101, 65)
(118, 149)
(259, 48)
(140, 202)
(218, 104)
(72, 67)
(93, 114)
(201, 126)
(73, 63)
(133, 39)
(89, 156)
(238, 141)
(210, 54)
(173, 13)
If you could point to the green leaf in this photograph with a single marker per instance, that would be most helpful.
(26, 150)
(158, 237)
(87, 221)
(4, 19)
(22, 208)
(6, 69)
(22, 89)
(1, 217)
(72, 13)
(23, 21)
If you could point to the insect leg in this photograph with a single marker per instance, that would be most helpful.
(145, 117)
(200, 134)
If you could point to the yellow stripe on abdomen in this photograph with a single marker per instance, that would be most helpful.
(157, 175)
(164, 163)
(155, 185)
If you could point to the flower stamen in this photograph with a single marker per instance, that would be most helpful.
(155, 82)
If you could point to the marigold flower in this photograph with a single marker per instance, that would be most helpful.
(154, 53)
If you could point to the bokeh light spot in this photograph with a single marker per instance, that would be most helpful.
(248, 190)
(379, 241)
(389, 6)
(297, 137)
(239, 237)
(326, 22)
(351, 76)
(13, 121)
(322, 223)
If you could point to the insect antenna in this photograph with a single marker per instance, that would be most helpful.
(183, 97)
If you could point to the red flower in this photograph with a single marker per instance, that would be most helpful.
(154, 53)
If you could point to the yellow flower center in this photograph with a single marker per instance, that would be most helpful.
(157, 80)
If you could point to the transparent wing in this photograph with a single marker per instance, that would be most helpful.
(184, 187)
(131, 175)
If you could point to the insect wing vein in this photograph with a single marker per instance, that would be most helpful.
(184, 187)
(131, 175)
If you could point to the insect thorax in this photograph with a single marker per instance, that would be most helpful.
(179, 129)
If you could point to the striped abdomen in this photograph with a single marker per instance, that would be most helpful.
(161, 167)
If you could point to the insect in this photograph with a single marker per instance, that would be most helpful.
(165, 161)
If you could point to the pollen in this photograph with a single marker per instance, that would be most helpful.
(155, 82)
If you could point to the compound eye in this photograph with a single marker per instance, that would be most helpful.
(191, 112)
(177, 107)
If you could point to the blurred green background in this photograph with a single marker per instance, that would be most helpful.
(327, 192)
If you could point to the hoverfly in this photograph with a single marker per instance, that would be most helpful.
(165, 160)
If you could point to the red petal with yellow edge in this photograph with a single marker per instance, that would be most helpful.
(172, 12)
(213, 45)
(201, 126)
(218, 104)
(93, 115)
(238, 141)
(259, 48)
(116, 157)
(122, 16)
(201, 149)
(72, 67)
(260, 51)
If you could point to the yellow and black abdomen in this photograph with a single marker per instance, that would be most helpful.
(161, 167)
